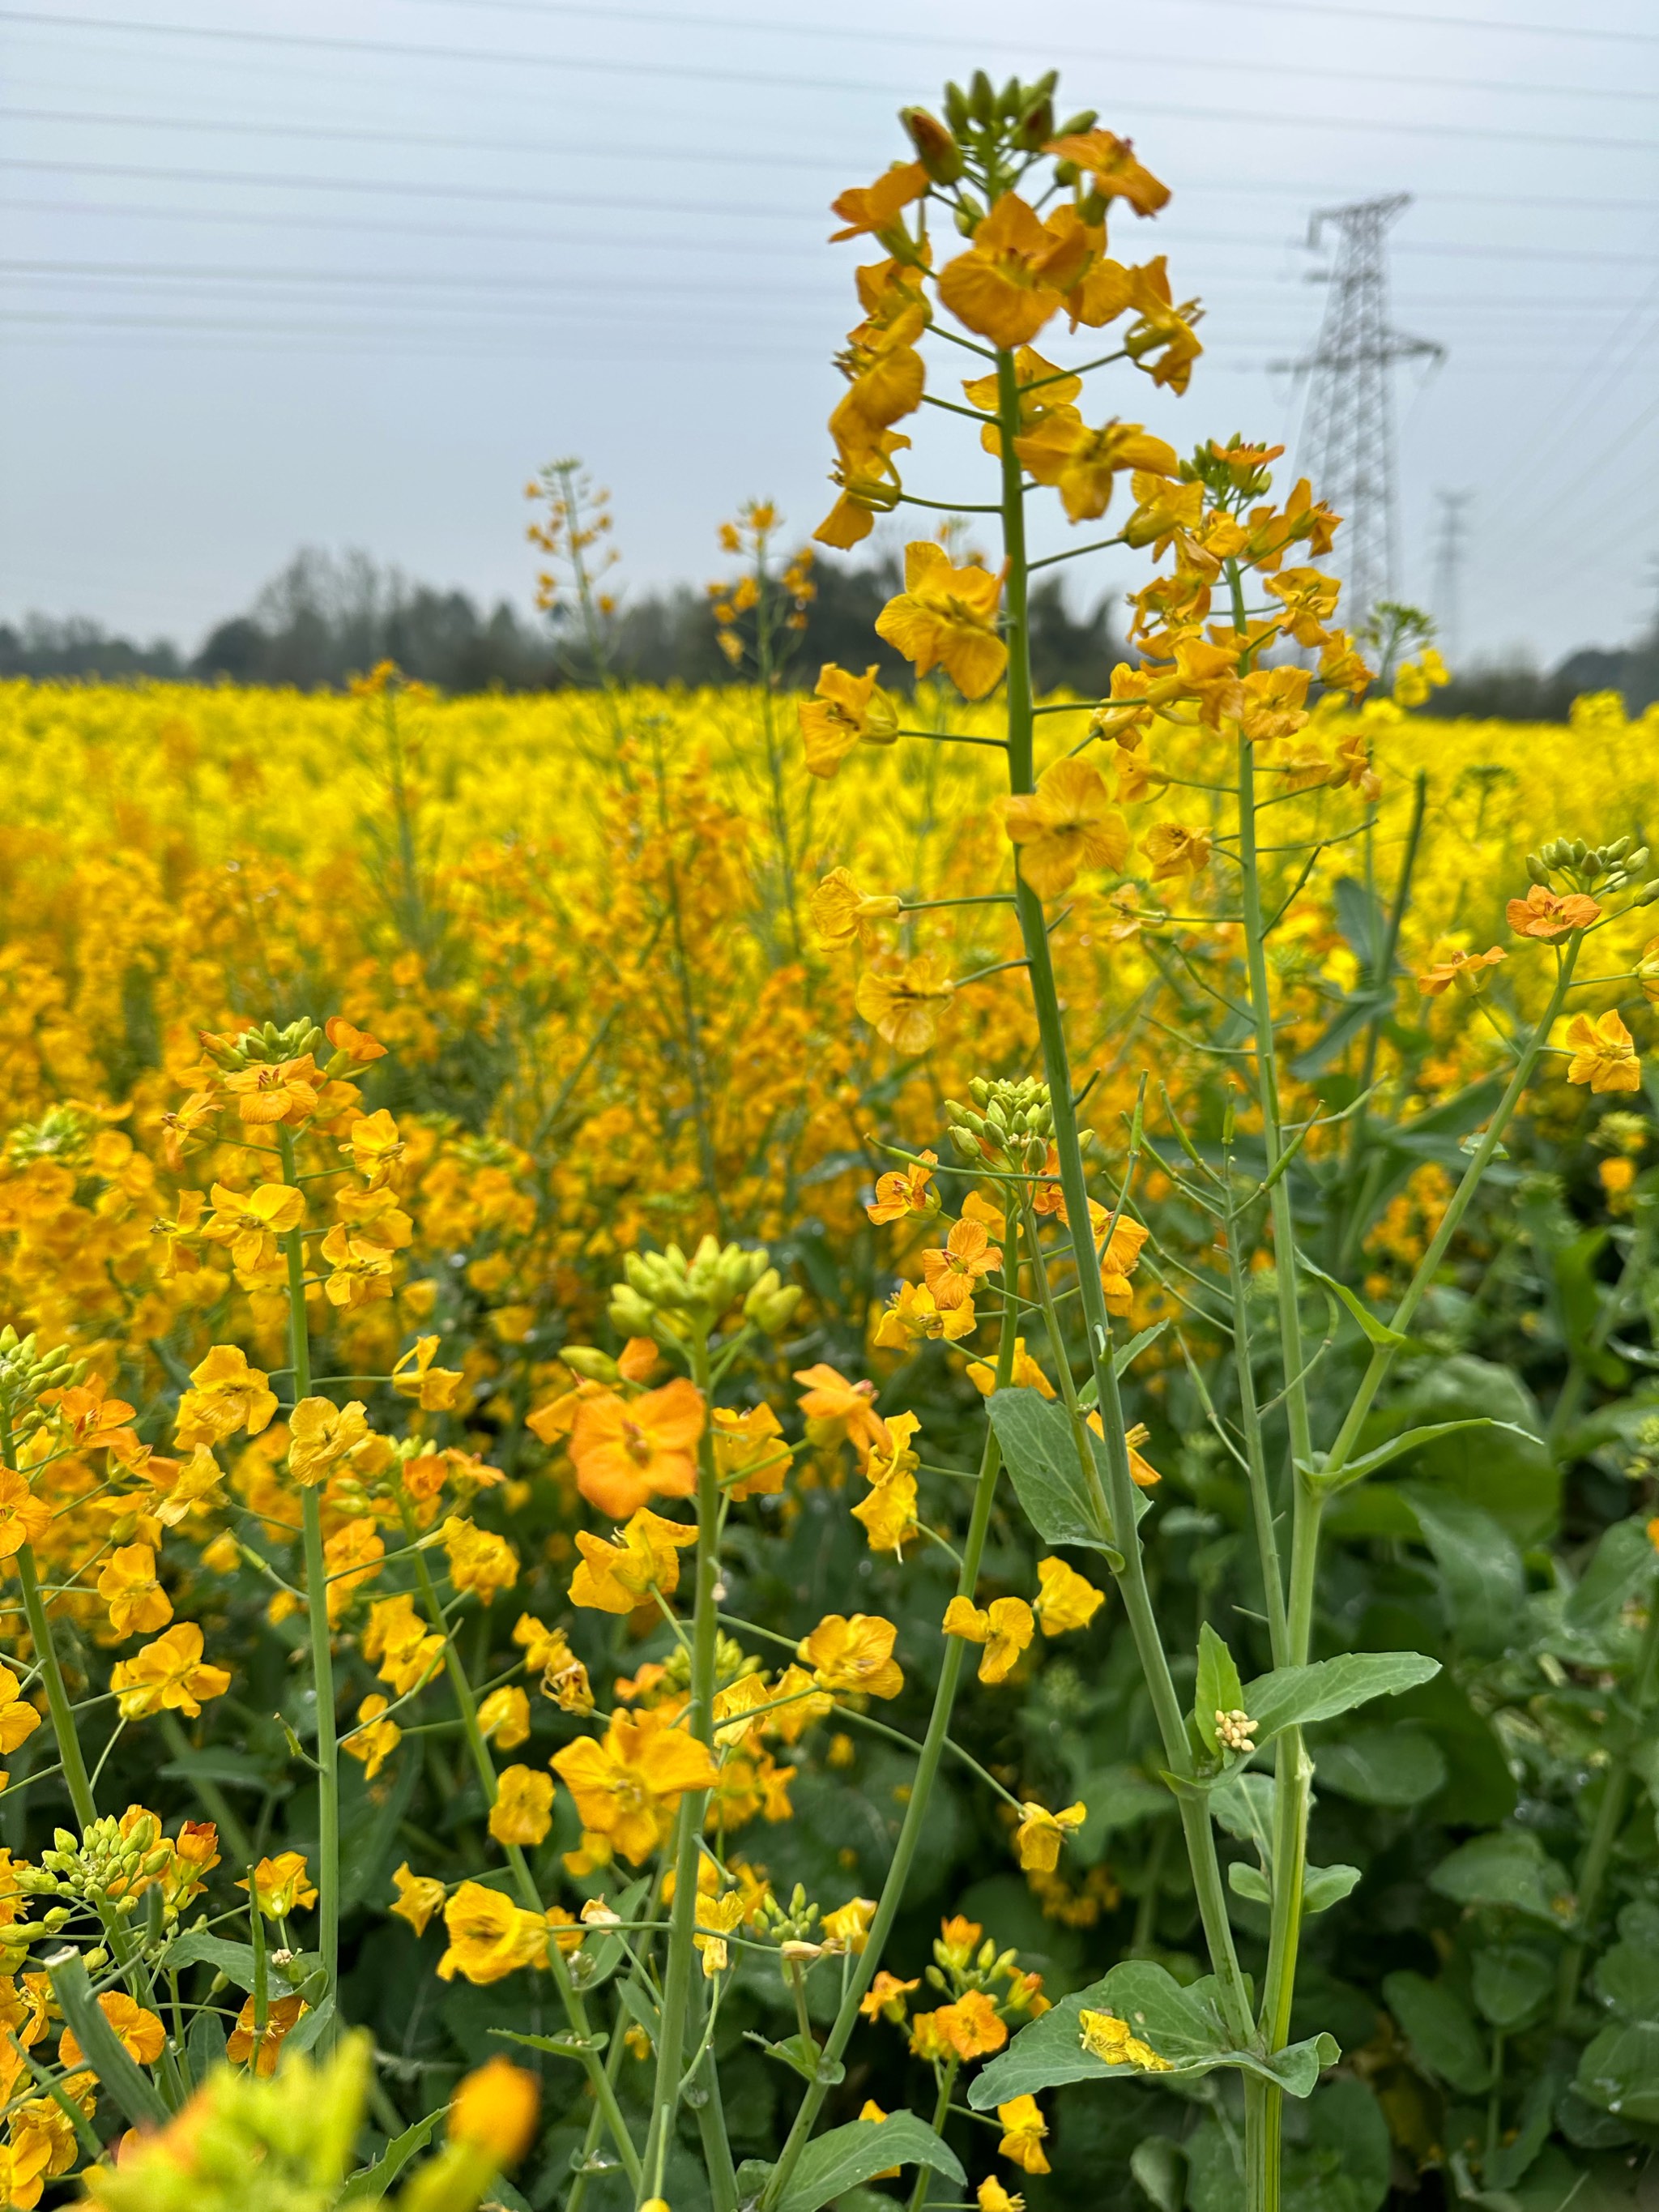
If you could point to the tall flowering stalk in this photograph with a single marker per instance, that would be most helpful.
(1229, 636)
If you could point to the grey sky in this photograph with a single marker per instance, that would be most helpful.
(345, 271)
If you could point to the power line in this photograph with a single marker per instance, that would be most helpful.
(634, 68)
(244, 127)
(145, 272)
(406, 187)
(740, 349)
(1486, 24)
(1187, 61)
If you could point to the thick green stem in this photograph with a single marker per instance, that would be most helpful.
(922, 1788)
(58, 1698)
(1293, 1770)
(1119, 1498)
(682, 1919)
(1256, 1453)
(321, 1629)
(1312, 1486)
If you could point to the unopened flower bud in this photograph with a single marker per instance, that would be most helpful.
(936, 150)
(630, 1314)
(588, 1361)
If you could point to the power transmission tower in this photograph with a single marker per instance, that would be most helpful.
(1347, 445)
(1450, 537)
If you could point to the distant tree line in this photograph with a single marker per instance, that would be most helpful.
(325, 618)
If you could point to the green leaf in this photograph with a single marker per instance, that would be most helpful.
(205, 2044)
(1243, 1804)
(578, 2047)
(1160, 2166)
(1392, 1766)
(1510, 1869)
(1184, 2025)
(1511, 1982)
(1619, 2072)
(1324, 1886)
(1627, 1974)
(1409, 1440)
(313, 2027)
(1219, 1689)
(1040, 1446)
(1510, 2162)
(233, 1961)
(605, 1952)
(1126, 1354)
(804, 2056)
(1375, 1331)
(1296, 1697)
(1502, 1467)
(369, 1834)
(1624, 1565)
(103, 2049)
(1580, 1296)
(237, 1768)
(844, 2157)
(1347, 2137)
(1482, 1576)
(374, 2181)
(1438, 2025)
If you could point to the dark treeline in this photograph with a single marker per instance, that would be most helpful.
(327, 619)
(324, 620)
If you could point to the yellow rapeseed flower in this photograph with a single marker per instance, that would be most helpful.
(855, 1655)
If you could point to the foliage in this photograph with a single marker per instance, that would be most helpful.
(499, 1484)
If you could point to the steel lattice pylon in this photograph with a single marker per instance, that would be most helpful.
(1346, 444)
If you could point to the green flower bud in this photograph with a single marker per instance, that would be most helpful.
(587, 1360)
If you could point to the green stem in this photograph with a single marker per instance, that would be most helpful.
(1382, 980)
(1382, 1357)
(523, 1879)
(1609, 1816)
(51, 1674)
(322, 1651)
(922, 1788)
(1255, 1455)
(683, 1920)
(941, 2113)
(1293, 1769)
(1131, 1573)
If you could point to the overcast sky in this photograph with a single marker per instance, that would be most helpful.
(343, 272)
